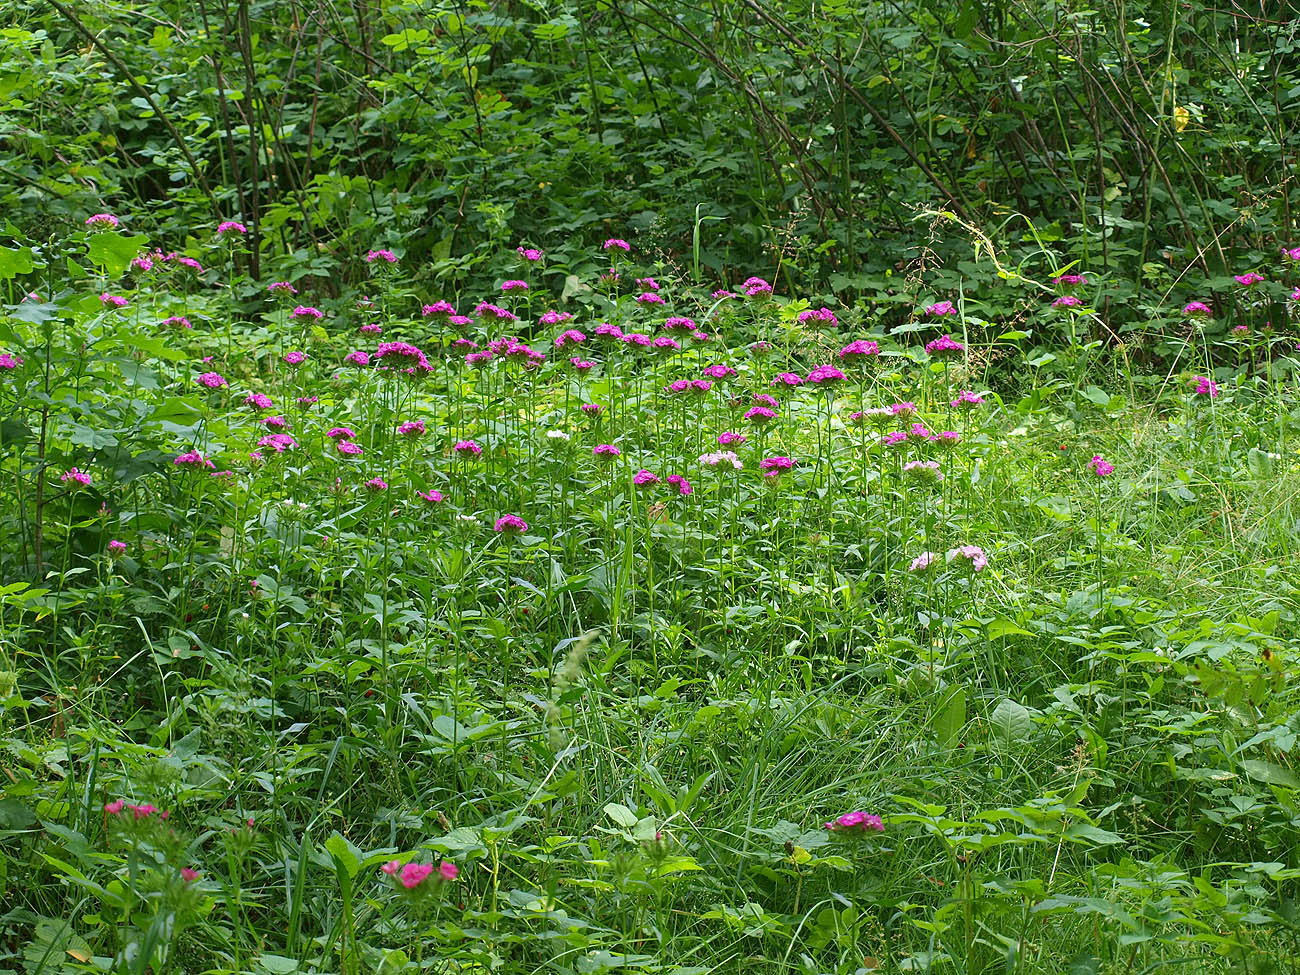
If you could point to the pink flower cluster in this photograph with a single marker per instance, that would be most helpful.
(856, 821)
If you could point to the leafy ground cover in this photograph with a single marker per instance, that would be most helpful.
(681, 630)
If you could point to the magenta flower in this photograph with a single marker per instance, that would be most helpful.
(115, 547)
(756, 287)
(282, 289)
(144, 811)
(941, 308)
(1099, 466)
(357, 358)
(591, 409)
(1070, 279)
(605, 451)
(376, 485)
(722, 294)
(760, 415)
(1067, 301)
(231, 227)
(947, 438)
(855, 821)
(188, 262)
(903, 411)
(859, 351)
(177, 321)
(374, 328)
(608, 332)
(478, 359)
(188, 876)
(430, 498)
(192, 459)
(490, 312)
(383, 256)
(638, 339)
(467, 449)
(581, 365)
(77, 478)
(514, 286)
(295, 358)
(307, 311)
(728, 439)
(411, 428)
(1197, 308)
(787, 379)
(101, 221)
(894, 439)
(643, 477)
(819, 316)
(448, 870)
(553, 317)
(413, 874)
(279, 442)
(1249, 279)
(944, 346)
(701, 337)
(649, 298)
(529, 253)
(392, 867)
(721, 458)
(774, 467)
(115, 807)
(664, 343)
(112, 301)
(439, 309)
(760, 349)
(212, 380)
(966, 400)
(682, 485)
(341, 433)
(719, 370)
(825, 376)
(510, 525)
(408, 357)
(348, 449)
(1205, 386)
(616, 243)
(275, 422)
(142, 263)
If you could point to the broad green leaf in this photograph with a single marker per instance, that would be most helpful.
(621, 814)
(114, 252)
(1270, 774)
(1011, 722)
(15, 261)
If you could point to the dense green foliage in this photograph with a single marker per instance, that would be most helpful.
(1140, 138)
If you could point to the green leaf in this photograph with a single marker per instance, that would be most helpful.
(1270, 774)
(1000, 628)
(15, 261)
(621, 814)
(950, 716)
(407, 38)
(1094, 834)
(114, 252)
(346, 856)
(1011, 722)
